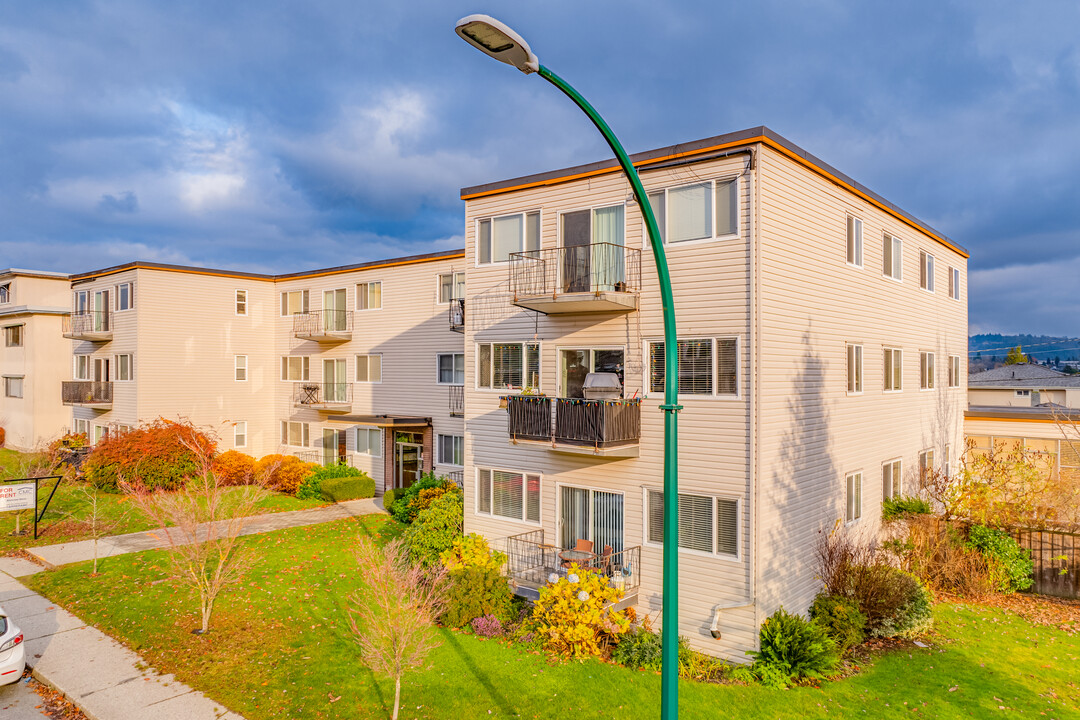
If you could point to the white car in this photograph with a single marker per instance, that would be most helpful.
(12, 653)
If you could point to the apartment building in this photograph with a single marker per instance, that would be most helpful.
(33, 356)
(821, 331)
(360, 363)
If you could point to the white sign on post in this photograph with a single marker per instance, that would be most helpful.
(17, 496)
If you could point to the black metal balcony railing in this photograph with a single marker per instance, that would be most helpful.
(308, 393)
(86, 392)
(457, 315)
(322, 322)
(531, 562)
(87, 323)
(587, 423)
(457, 400)
(599, 267)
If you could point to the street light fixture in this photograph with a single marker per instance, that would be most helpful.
(500, 42)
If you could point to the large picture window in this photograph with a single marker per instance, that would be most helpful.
(701, 211)
(511, 495)
(499, 237)
(508, 365)
(707, 366)
(706, 523)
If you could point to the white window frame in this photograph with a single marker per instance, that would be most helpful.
(302, 427)
(490, 387)
(714, 497)
(1022, 393)
(715, 394)
(886, 377)
(305, 302)
(438, 368)
(240, 367)
(8, 380)
(926, 271)
(524, 215)
(305, 368)
(954, 371)
(100, 432)
(131, 296)
(712, 182)
(954, 282)
(946, 464)
(240, 431)
(366, 293)
(927, 370)
(456, 440)
(896, 248)
(240, 300)
(6, 293)
(896, 479)
(856, 377)
(367, 364)
(130, 367)
(368, 432)
(926, 462)
(87, 361)
(853, 481)
(560, 391)
(453, 275)
(854, 242)
(524, 499)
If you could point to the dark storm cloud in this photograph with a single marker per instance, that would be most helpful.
(283, 135)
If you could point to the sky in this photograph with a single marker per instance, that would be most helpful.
(281, 136)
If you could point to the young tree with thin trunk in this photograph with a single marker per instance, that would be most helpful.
(393, 612)
(96, 522)
(202, 523)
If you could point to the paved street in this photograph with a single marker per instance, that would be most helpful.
(20, 701)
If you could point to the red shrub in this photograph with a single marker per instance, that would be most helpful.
(283, 472)
(158, 456)
(234, 468)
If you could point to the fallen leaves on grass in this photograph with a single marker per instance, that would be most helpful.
(1053, 612)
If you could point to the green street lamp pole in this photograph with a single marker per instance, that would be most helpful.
(500, 42)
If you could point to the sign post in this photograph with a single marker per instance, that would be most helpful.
(22, 494)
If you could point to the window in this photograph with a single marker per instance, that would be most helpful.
(854, 368)
(954, 283)
(894, 375)
(81, 302)
(451, 450)
(706, 523)
(5, 293)
(451, 286)
(854, 241)
(1023, 393)
(926, 271)
(13, 386)
(946, 467)
(241, 302)
(369, 295)
(294, 433)
(926, 464)
(954, 371)
(82, 367)
(893, 257)
(498, 237)
(369, 368)
(100, 433)
(926, 371)
(369, 441)
(81, 427)
(508, 365)
(123, 367)
(13, 336)
(506, 494)
(696, 366)
(576, 364)
(240, 434)
(125, 299)
(295, 367)
(294, 302)
(451, 368)
(701, 211)
(854, 497)
(891, 480)
(240, 366)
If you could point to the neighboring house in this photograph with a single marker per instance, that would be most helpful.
(823, 337)
(33, 356)
(1023, 385)
(361, 363)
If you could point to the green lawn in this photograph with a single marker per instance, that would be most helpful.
(63, 521)
(279, 649)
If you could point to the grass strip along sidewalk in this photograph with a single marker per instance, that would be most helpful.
(279, 648)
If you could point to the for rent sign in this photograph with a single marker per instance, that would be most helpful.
(17, 496)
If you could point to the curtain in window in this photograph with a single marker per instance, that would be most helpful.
(607, 523)
(607, 249)
(690, 213)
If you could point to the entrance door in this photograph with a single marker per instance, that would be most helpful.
(334, 310)
(335, 380)
(409, 463)
(574, 365)
(101, 311)
(591, 515)
(576, 264)
(101, 369)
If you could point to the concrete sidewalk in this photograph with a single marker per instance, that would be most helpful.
(91, 669)
(55, 555)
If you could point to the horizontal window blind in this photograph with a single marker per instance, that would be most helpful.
(706, 524)
(483, 494)
(727, 526)
(695, 367)
(727, 366)
(532, 498)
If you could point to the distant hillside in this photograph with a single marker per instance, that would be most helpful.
(989, 350)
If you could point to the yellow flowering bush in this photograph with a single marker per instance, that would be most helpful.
(572, 616)
(472, 551)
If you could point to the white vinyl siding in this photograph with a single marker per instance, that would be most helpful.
(707, 523)
(926, 271)
(926, 371)
(450, 368)
(293, 302)
(296, 367)
(124, 367)
(892, 257)
(240, 434)
(894, 370)
(507, 494)
(854, 242)
(707, 366)
(294, 433)
(369, 295)
(954, 371)
(854, 497)
(854, 368)
(508, 365)
(451, 450)
(369, 368)
(240, 365)
(499, 237)
(241, 302)
(701, 211)
(892, 481)
(369, 441)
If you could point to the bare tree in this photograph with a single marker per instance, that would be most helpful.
(392, 613)
(202, 524)
(97, 523)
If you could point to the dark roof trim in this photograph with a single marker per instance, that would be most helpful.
(381, 420)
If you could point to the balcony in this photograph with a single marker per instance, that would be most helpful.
(608, 428)
(457, 315)
(531, 562)
(324, 326)
(457, 400)
(596, 278)
(91, 326)
(87, 393)
(327, 397)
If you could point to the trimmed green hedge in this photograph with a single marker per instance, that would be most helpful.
(350, 487)
(388, 499)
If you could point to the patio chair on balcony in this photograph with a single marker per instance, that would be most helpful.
(603, 563)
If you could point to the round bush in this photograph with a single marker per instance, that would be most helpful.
(283, 473)
(436, 528)
(157, 456)
(388, 499)
(233, 467)
(475, 592)
(796, 647)
(841, 619)
(573, 616)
